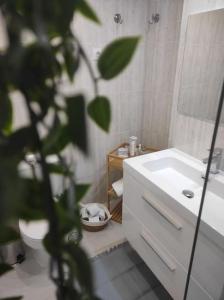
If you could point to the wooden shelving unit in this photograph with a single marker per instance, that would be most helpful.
(115, 163)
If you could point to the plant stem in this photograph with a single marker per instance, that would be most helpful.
(50, 205)
(88, 64)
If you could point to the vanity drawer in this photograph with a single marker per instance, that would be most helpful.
(165, 267)
(173, 232)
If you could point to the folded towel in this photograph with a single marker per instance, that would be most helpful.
(94, 219)
(118, 187)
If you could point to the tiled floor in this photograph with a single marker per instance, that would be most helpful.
(31, 280)
(122, 275)
(99, 242)
(119, 274)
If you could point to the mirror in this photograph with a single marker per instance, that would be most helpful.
(203, 66)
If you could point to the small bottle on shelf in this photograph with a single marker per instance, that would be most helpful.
(132, 145)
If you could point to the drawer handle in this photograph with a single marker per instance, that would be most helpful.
(155, 245)
(162, 211)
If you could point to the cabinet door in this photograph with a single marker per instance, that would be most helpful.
(169, 272)
(172, 231)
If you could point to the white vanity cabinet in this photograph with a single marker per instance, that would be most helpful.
(162, 232)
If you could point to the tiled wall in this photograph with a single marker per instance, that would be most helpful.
(125, 92)
(162, 48)
(141, 96)
(186, 133)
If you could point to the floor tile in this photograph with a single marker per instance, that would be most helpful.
(159, 293)
(108, 292)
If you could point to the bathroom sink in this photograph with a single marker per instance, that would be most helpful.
(170, 172)
(174, 173)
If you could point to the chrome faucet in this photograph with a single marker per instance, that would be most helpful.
(216, 160)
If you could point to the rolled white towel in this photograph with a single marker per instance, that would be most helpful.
(84, 213)
(93, 210)
(118, 187)
(102, 214)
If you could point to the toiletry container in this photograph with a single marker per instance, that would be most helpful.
(132, 145)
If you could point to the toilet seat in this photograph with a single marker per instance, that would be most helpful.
(33, 232)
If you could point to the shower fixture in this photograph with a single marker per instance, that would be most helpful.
(118, 19)
(154, 19)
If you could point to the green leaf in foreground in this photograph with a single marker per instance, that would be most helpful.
(6, 114)
(57, 139)
(86, 10)
(116, 56)
(81, 190)
(4, 268)
(99, 111)
(58, 168)
(71, 61)
(17, 142)
(84, 272)
(8, 234)
(77, 121)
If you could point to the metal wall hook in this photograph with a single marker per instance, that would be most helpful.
(154, 19)
(118, 19)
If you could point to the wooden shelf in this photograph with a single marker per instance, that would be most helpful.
(115, 162)
(111, 193)
(117, 213)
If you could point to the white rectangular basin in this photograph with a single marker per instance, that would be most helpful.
(175, 173)
(172, 171)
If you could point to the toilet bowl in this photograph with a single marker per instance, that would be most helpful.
(33, 233)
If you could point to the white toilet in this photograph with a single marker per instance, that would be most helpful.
(34, 232)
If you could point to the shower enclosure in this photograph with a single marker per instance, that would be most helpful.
(200, 109)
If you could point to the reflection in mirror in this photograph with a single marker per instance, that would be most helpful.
(203, 66)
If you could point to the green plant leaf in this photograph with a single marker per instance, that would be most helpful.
(86, 10)
(57, 139)
(58, 169)
(71, 61)
(37, 65)
(68, 219)
(17, 142)
(84, 271)
(116, 56)
(20, 197)
(49, 245)
(6, 114)
(81, 190)
(9, 203)
(44, 96)
(4, 268)
(77, 121)
(69, 290)
(32, 202)
(8, 234)
(99, 110)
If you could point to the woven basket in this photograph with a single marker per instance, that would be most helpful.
(97, 226)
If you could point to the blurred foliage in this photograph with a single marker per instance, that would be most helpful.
(40, 49)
